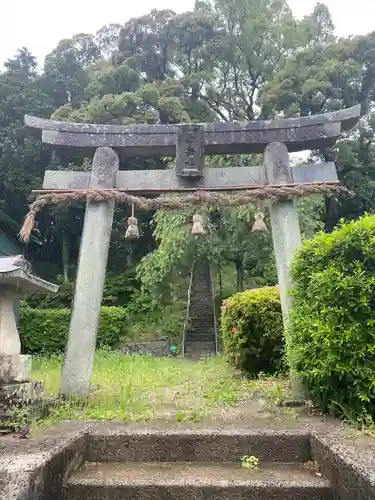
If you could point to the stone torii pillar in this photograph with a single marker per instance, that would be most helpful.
(286, 237)
(92, 265)
(189, 142)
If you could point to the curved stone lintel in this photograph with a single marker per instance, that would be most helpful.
(342, 115)
(220, 138)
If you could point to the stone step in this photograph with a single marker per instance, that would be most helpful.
(206, 328)
(198, 352)
(201, 445)
(209, 329)
(200, 339)
(183, 481)
(201, 328)
(199, 313)
(201, 306)
(198, 317)
(207, 343)
(195, 326)
(208, 333)
(198, 310)
(203, 320)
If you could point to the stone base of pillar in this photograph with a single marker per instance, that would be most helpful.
(20, 394)
(16, 390)
(14, 368)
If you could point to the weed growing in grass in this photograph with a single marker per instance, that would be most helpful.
(250, 462)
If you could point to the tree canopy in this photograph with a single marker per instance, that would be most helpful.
(225, 60)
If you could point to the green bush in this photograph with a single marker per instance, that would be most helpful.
(252, 330)
(168, 322)
(45, 331)
(333, 318)
(118, 291)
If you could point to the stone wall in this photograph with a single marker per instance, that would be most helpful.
(153, 348)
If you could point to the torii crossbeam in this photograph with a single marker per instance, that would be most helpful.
(189, 143)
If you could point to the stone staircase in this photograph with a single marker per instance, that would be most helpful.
(200, 336)
(194, 464)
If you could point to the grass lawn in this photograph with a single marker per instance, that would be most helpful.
(138, 388)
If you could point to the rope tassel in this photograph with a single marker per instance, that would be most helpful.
(259, 224)
(197, 228)
(28, 225)
(132, 231)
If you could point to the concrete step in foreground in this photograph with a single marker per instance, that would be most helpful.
(124, 463)
(197, 445)
(195, 481)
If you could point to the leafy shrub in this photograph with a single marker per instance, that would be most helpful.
(252, 330)
(45, 331)
(333, 318)
(118, 291)
(167, 321)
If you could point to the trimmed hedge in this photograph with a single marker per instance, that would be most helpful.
(45, 331)
(252, 330)
(333, 318)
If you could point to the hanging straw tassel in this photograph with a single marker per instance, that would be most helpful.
(132, 231)
(259, 224)
(197, 228)
(28, 225)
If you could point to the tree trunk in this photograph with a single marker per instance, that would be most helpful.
(330, 214)
(240, 276)
(65, 256)
(130, 258)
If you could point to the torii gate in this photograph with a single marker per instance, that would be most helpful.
(189, 143)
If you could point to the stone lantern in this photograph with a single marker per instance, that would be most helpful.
(16, 279)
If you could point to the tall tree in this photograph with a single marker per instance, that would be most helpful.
(326, 77)
(22, 159)
(254, 38)
(65, 77)
(318, 27)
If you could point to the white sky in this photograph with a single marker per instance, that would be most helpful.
(40, 24)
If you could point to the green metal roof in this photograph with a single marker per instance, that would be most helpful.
(14, 227)
(9, 246)
(11, 223)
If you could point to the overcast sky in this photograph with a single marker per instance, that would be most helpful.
(40, 24)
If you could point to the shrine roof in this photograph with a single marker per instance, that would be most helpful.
(308, 132)
(16, 271)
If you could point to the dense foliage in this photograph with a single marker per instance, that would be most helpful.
(120, 290)
(252, 330)
(45, 331)
(333, 335)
